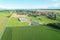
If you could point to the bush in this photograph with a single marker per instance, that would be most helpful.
(54, 25)
(52, 16)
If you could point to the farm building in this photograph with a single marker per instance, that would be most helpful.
(22, 19)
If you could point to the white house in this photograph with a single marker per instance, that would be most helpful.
(23, 19)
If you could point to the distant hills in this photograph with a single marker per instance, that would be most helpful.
(27, 9)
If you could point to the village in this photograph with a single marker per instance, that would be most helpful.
(25, 16)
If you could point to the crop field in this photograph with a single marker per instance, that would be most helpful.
(3, 21)
(31, 33)
(13, 29)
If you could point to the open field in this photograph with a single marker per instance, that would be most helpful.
(3, 21)
(15, 30)
(31, 33)
(43, 19)
(14, 22)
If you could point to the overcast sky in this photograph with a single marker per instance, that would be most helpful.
(30, 4)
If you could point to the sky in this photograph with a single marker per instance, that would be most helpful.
(30, 4)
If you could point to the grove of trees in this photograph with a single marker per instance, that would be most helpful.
(52, 16)
(54, 25)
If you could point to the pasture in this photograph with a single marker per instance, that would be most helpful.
(31, 33)
(12, 29)
(43, 19)
(3, 21)
(14, 22)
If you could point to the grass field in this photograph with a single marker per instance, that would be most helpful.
(31, 33)
(14, 22)
(16, 30)
(3, 21)
(43, 19)
(58, 19)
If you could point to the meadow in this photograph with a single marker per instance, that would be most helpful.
(3, 21)
(14, 22)
(13, 29)
(43, 19)
(31, 33)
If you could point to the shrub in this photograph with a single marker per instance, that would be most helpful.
(52, 16)
(54, 25)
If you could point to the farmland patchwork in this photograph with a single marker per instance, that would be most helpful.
(27, 25)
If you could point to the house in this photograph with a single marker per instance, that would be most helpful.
(22, 19)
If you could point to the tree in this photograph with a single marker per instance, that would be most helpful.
(52, 16)
(54, 25)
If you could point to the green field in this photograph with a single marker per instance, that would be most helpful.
(14, 22)
(31, 33)
(13, 29)
(43, 19)
(3, 21)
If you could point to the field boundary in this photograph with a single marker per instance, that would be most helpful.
(4, 29)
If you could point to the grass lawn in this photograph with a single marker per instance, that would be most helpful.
(58, 18)
(14, 22)
(16, 30)
(43, 19)
(47, 20)
(4, 14)
(31, 33)
(3, 21)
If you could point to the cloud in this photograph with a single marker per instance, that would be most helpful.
(41, 6)
(12, 6)
(8, 6)
(1, 6)
(56, 5)
(54, 0)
